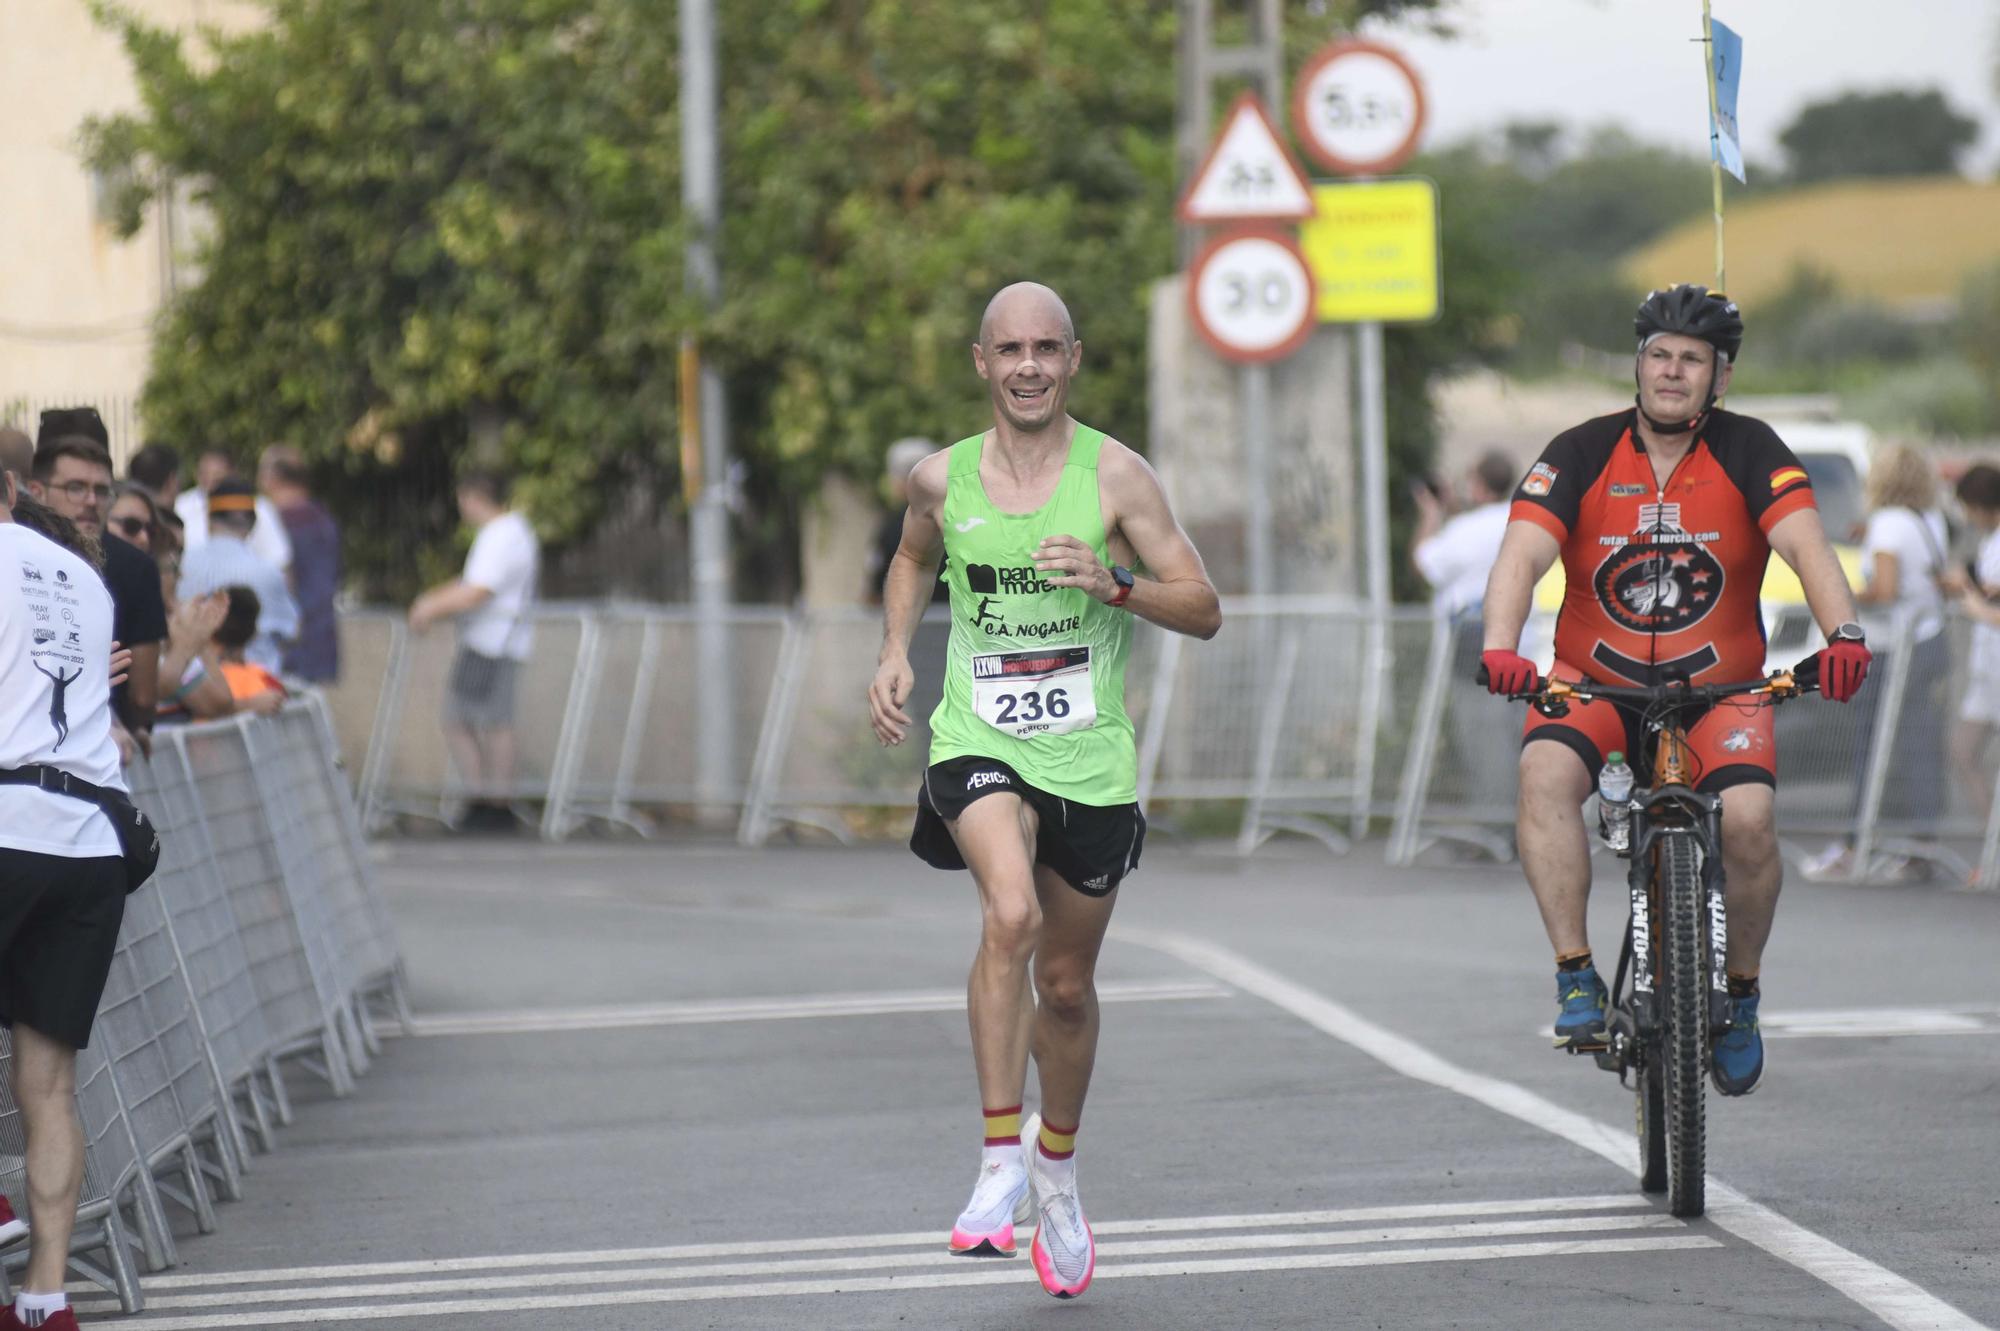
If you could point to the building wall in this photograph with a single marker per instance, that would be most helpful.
(77, 304)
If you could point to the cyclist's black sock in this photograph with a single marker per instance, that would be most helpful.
(1742, 986)
(1573, 961)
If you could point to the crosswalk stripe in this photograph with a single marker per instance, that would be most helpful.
(1118, 1251)
(853, 1242)
(1008, 1273)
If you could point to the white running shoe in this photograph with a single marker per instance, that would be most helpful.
(1064, 1250)
(1001, 1198)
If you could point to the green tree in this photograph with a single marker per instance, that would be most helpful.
(1891, 133)
(428, 214)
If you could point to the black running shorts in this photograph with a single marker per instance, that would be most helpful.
(1091, 847)
(59, 921)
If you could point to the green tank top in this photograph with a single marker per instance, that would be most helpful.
(1035, 675)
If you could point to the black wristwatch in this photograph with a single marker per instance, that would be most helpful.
(1123, 577)
(1848, 632)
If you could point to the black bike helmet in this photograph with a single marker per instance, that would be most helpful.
(1695, 311)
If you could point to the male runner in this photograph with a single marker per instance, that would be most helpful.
(1665, 516)
(1033, 778)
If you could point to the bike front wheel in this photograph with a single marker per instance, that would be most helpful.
(1684, 1034)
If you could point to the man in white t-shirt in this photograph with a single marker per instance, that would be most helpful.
(1455, 554)
(267, 539)
(62, 875)
(491, 600)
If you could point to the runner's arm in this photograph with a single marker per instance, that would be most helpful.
(1176, 594)
(1527, 551)
(906, 590)
(1801, 541)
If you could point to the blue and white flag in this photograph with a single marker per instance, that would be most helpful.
(1726, 49)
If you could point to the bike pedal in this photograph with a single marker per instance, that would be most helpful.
(1577, 1047)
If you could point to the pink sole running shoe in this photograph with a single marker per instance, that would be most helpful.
(1000, 1199)
(12, 1227)
(1064, 1250)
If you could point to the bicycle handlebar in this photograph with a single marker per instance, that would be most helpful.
(1778, 685)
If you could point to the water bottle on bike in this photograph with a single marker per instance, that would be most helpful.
(1614, 803)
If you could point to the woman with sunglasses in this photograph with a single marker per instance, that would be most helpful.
(134, 516)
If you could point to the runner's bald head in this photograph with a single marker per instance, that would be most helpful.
(1024, 300)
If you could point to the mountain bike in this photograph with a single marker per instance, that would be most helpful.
(1670, 999)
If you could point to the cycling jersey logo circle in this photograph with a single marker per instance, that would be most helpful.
(1660, 588)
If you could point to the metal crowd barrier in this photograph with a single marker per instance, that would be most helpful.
(260, 940)
(1305, 715)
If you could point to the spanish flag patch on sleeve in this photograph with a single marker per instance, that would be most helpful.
(1784, 478)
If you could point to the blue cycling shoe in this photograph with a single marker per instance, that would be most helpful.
(1739, 1054)
(1580, 1024)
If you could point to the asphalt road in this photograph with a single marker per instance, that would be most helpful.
(692, 1086)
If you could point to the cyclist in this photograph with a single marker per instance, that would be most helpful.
(1033, 777)
(1664, 515)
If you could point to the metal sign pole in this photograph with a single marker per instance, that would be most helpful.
(1375, 532)
(1254, 383)
(701, 195)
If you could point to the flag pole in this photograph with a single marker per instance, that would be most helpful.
(1714, 147)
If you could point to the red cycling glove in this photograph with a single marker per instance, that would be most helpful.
(1842, 667)
(1507, 672)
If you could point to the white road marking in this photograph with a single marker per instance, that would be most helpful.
(403, 1291)
(1898, 1301)
(629, 1016)
(1870, 1023)
(864, 1242)
(1859, 1022)
(993, 1273)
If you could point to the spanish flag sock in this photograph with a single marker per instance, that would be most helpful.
(1003, 1134)
(1057, 1143)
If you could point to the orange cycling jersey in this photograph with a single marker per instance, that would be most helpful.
(1663, 577)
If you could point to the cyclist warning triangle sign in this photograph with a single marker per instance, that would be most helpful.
(1249, 174)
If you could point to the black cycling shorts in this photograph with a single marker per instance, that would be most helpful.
(59, 920)
(1091, 847)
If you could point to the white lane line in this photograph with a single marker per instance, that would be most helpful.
(787, 1008)
(1852, 1023)
(402, 1291)
(1010, 1273)
(1354, 1215)
(1898, 1301)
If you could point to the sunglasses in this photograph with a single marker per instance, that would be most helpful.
(130, 526)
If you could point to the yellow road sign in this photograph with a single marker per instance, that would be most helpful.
(1373, 249)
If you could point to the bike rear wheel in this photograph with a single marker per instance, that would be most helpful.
(1684, 1037)
(1651, 1108)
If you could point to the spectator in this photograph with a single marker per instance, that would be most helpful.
(72, 475)
(1903, 558)
(17, 454)
(267, 538)
(134, 516)
(902, 456)
(62, 862)
(157, 468)
(1454, 553)
(491, 600)
(251, 687)
(1979, 710)
(192, 686)
(227, 560)
(315, 574)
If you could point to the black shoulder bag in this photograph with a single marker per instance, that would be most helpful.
(137, 838)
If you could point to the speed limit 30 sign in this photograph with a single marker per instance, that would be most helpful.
(1251, 295)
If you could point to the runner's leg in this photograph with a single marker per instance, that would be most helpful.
(1066, 1021)
(996, 836)
(1554, 852)
(45, 1089)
